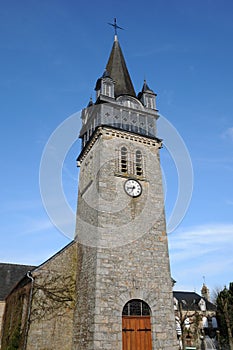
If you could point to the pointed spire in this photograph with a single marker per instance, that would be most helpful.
(117, 69)
(90, 102)
(205, 292)
(146, 88)
(147, 96)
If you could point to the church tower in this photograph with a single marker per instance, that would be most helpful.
(205, 293)
(124, 286)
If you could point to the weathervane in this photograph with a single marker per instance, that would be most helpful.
(115, 26)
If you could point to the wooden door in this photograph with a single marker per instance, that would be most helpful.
(136, 333)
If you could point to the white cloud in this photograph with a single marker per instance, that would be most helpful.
(202, 251)
(202, 235)
(228, 133)
(37, 225)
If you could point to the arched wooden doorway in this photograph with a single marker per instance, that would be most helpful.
(136, 326)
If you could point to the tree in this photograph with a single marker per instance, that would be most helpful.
(53, 296)
(224, 302)
(188, 320)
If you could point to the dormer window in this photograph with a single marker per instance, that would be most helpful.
(149, 101)
(147, 96)
(202, 305)
(129, 101)
(107, 88)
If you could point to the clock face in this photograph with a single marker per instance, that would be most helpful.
(133, 188)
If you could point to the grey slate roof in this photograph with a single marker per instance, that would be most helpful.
(145, 87)
(190, 301)
(10, 274)
(117, 70)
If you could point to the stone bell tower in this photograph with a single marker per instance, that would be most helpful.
(124, 287)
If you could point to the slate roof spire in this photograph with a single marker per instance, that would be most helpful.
(117, 69)
(146, 88)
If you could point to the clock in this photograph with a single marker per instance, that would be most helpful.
(133, 188)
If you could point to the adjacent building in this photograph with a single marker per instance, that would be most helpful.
(10, 274)
(195, 319)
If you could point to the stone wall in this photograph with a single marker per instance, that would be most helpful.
(51, 317)
(39, 314)
(126, 254)
(15, 317)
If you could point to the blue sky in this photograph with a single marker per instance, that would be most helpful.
(51, 54)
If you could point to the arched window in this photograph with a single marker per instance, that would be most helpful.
(139, 163)
(124, 160)
(136, 307)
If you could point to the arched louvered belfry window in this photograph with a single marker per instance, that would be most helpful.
(136, 307)
(138, 163)
(124, 160)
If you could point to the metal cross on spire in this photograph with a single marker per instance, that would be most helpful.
(115, 26)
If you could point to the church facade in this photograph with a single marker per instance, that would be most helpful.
(111, 288)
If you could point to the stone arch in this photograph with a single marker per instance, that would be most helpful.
(136, 307)
(147, 296)
(136, 325)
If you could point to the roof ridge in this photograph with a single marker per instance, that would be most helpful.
(18, 264)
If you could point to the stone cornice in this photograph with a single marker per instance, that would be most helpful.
(107, 130)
